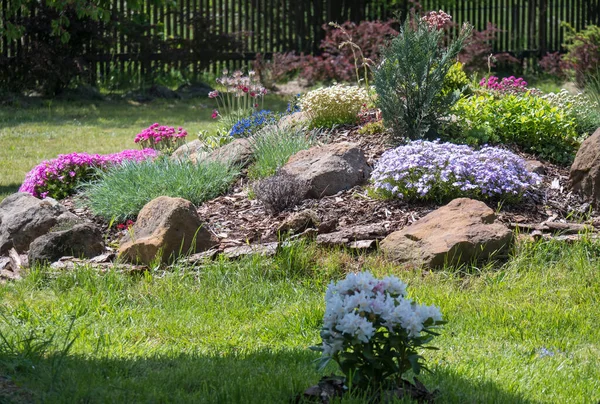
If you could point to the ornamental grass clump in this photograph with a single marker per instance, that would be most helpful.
(374, 332)
(274, 146)
(122, 191)
(424, 170)
(410, 79)
(59, 177)
(335, 105)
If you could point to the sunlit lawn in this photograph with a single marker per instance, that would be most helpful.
(29, 135)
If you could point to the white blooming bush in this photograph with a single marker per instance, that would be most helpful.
(338, 104)
(373, 331)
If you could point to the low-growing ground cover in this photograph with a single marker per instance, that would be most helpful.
(43, 130)
(240, 331)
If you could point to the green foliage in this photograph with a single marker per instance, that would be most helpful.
(410, 80)
(274, 146)
(530, 122)
(456, 79)
(121, 192)
(372, 128)
(583, 51)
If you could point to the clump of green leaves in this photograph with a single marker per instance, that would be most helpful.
(122, 191)
(530, 122)
(410, 80)
(274, 146)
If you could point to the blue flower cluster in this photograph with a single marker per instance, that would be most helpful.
(442, 171)
(293, 105)
(248, 126)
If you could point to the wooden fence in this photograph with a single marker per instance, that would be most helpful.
(529, 27)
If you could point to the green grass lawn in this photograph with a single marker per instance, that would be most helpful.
(238, 332)
(32, 134)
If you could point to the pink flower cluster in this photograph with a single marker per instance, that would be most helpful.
(58, 177)
(241, 93)
(437, 19)
(160, 136)
(508, 85)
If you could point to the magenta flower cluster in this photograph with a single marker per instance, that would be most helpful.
(57, 178)
(158, 136)
(437, 19)
(508, 85)
(442, 171)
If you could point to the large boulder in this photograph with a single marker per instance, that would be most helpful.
(329, 169)
(82, 240)
(460, 232)
(23, 218)
(239, 152)
(169, 226)
(584, 177)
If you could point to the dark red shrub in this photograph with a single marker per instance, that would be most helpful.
(282, 66)
(475, 56)
(337, 61)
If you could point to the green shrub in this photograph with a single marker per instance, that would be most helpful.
(274, 146)
(456, 79)
(122, 191)
(530, 122)
(335, 105)
(410, 79)
(372, 128)
(583, 107)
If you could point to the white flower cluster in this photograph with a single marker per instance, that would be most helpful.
(567, 101)
(360, 305)
(337, 104)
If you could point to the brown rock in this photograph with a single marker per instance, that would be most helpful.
(584, 177)
(329, 169)
(299, 221)
(535, 166)
(167, 225)
(351, 235)
(460, 232)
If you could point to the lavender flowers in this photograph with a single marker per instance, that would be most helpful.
(442, 171)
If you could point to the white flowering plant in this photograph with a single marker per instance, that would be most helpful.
(338, 104)
(374, 332)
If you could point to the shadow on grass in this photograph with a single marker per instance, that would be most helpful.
(119, 113)
(260, 377)
(7, 189)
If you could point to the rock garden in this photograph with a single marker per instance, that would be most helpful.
(415, 173)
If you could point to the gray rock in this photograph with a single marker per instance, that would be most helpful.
(82, 240)
(460, 232)
(23, 218)
(186, 150)
(329, 169)
(170, 226)
(239, 152)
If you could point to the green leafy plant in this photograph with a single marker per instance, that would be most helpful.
(274, 146)
(527, 121)
(456, 79)
(338, 104)
(410, 79)
(121, 192)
